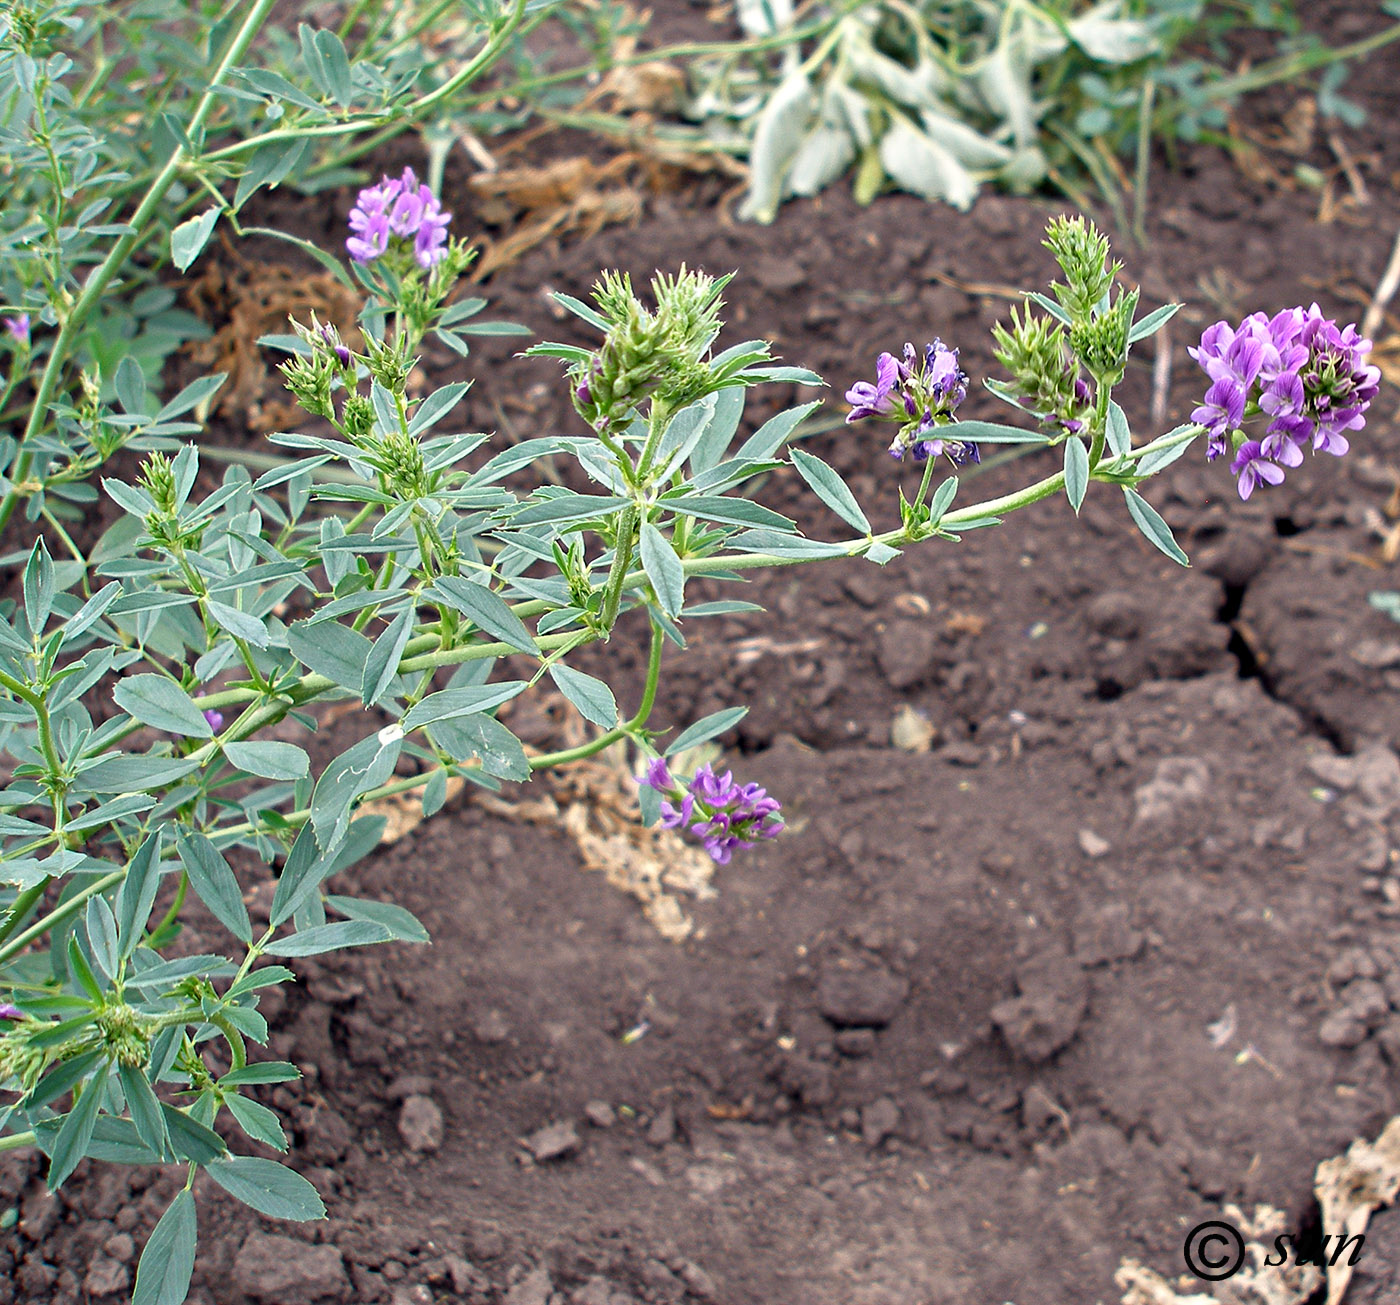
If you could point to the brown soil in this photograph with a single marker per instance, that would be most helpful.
(1121, 948)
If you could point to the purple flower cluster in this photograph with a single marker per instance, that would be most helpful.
(398, 208)
(9, 1011)
(17, 327)
(1299, 369)
(921, 394)
(722, 814)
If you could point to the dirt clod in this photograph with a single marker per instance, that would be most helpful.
(868, 995)
(421, 1124)
(553, 1141)
(279, 1271)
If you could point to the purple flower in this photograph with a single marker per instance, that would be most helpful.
(398, 208)
(18, 327)
(874, 400)
(1254, 468)
(1298, 368)
(214, 717)
(10, 1012)
(722, 814)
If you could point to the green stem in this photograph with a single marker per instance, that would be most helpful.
(96, 284)
(59, 914)
(627, 529)
(13, 1141)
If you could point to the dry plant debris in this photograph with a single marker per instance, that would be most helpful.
(1349, 1188)
(251, 299)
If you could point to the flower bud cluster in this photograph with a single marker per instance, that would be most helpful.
(1309, 377)
(648, 354)
(722, 814)
(1049, 382)
(921, 392)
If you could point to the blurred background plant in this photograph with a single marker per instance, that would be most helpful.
(939, 97)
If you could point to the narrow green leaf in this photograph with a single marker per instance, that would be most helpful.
(187, 241)
(214, 883)
(663, 569)
(707, 728)
(580, 309)
(162, 704)
(831, 489)
(239, 623)
(464, 701)
(401, 923)
(330, 937)
(270, 1188)
(1157, 531)
(1076, 471)
(137, 894)
(269, 760)
(264, 1071)
(382, 665)
(337, 65)
(489, 610)
(144, 1107)
(1118, 434)
(71, 1144)
(774, 432)
(255, 1119)
(591, 696)
(167, 1263)
(38, 588)
(1150, 324)
(330, 649)
(942, 500)
(102, 935)
(189, 1139)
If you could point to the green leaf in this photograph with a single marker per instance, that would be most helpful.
(134, 774)
(994, 432)
(38, 588)
(592, 697)
(719, 431)
(163, 705)
(780, 128)
(382, 665)
(580, 309)
(189, 1139)
(464, 701)
(730, 511)
(269, 760)
(1157, 531)
(71, 1144)
(1119, 436)
(330, 937)
(487, 609)
(187, 241)
(330, 649)
(165, 973)
(270, 1188)
(785, 545)
(137, 894)
(1056, 310)
(102, 934)
(337, 66)
(357, 770)
(167, 1263)
(238, 623)
(215, 883)
(568, 507)
(1155, 461)
(264, 1071)
(1076, 471)
(942, 500)
(925, 168)
(831, 489)
(707, 728)
(255, 1119)
(402, 924)
(144, 1107)
(663, 569)
(436, 406)
(91, 611)
(1152, 323)
(881, 554)
(301, 875)
(500, 751)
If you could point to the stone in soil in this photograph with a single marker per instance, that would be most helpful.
(553, 1141)
(864, 995)
(420, 1124)
(1047, 1014)
(279, 1271)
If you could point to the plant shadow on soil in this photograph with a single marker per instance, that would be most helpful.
(1123, 946)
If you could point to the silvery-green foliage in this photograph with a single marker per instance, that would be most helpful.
(941, 97)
